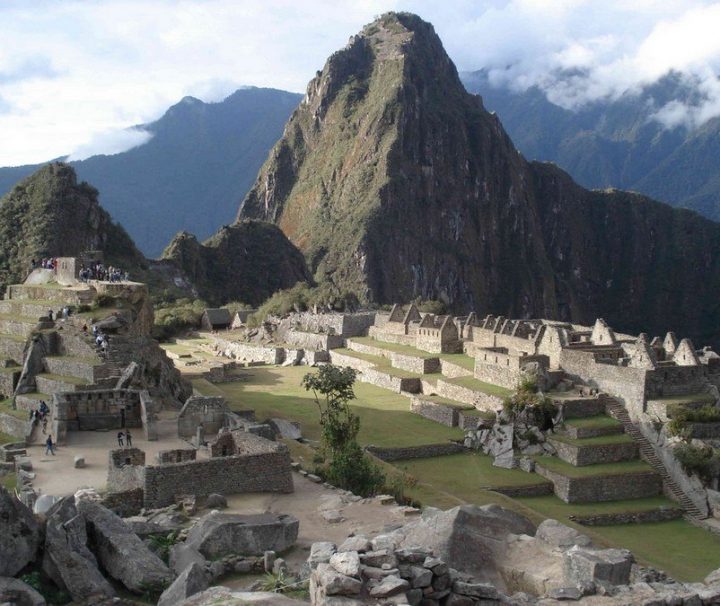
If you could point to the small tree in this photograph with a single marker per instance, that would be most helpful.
(348, 465)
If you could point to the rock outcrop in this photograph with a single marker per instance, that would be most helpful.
(219, 534)
(121, 552)
(248, 262)
(67, 560)
(396, 183)
(19, 535)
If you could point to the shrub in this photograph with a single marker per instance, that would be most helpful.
(678, 425)
(431, 306)
(174, 318)
(529, 403)
(701, 460)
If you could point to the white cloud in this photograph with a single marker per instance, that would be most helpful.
(111, 142)
(73, 71)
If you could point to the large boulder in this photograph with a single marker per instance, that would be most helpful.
(609, 566)
(192, 580)
(17, 593)
(67, 560)
(559, 536)
(219, 534)
(468, 538)
(286, 429)
(182, 555)
(121, 552)
(19, 535)
(223, 596)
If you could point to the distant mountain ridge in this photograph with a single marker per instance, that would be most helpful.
(616, 143)
(201, 160)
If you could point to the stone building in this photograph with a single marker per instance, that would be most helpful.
(216, 319)
(210, 412)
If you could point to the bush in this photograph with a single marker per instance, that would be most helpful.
(678, 425)
(351, 469)
(703, 461)
(174, 318)
(302, 297)
(431, 306)
(527, 402)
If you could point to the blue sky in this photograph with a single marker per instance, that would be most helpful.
(74, 74)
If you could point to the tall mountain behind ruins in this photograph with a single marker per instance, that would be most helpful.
(396, 183)
(50, 214)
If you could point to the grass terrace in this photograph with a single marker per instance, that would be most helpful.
(452, 403)
(604, 469)
(6, 407)
(621, 438)
(385, 418)
(477, 385)
(407, 350)
(696, 398)
(597, 422)
(460, 359)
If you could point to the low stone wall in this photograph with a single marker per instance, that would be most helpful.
(148, 416)
(8, 381)
(379, 333)
(452, 371)
(368, 349)
(248, 352)
(532, 490)
(435, 411)
(176, 455)
(597, 453)
(263, 472)
(14, 426)
(577, 433)
(704, 430)
(478, 399)
(387, 381)
(630, 517)
(594, 489)
(415, 452)
(468, 421)
(416, 364)
(313, 341)
(340, 359)
(581, 407)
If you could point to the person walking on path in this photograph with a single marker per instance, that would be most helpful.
(49, 447)
(120, 438)
(128, 437)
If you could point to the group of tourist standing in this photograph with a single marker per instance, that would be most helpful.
(97, 271)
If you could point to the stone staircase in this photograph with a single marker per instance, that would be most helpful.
(647, 452)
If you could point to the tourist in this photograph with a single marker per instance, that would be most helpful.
(120, 437)
(94, 331)
(49, 448)
(50, 314)
(128, 437)
(85, 329)
(44, 425)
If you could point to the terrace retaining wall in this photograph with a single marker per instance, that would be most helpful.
(478, 399)
(416, 364)
(415, 452)
(580, 455)
(435, 411)
(630, 517)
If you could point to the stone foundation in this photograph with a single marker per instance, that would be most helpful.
(445, 414)
(630, 517)
(477, 399)
(418, 364)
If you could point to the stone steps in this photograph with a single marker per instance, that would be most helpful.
(48, 383)
(647, 452)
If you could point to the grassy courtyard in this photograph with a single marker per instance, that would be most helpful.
(684, 551)
(385, 417)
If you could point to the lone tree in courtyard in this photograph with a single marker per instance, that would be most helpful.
(348, 466)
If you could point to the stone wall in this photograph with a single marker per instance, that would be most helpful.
(704, 430)
(126, 469)
(502, 369)
(8, 381)
(416, 364)
(148, 416)
(626, 383)
(415, 452)
(480, 400)
(593, 489)
(125, 504)
(435, 411)
(206, 410)
(382, 334)
(313, 341)
(340, 359)
(343, 325)
(264, 472)
(95, 410)
(453, 371)
(13, 426)
(388, 381)
(532, 490)
(580, 455)
(629, 517)
(676, 380)
(176, 455)
(248, 352)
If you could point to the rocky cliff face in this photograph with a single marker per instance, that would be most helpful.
(246, 262)
(396, 183)
(50, 214)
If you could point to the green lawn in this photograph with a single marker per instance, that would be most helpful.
(6, 407)
(394, 347)
(376, 360)
(452, 403)
(482, 414)
(9, 482)
(702, 398)
(599, 421)
(385, 417)
(477, 385)
(604, 469)
(619, 438)
(459, 359)
(467, 473)
(685, 552)
(6, 438)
